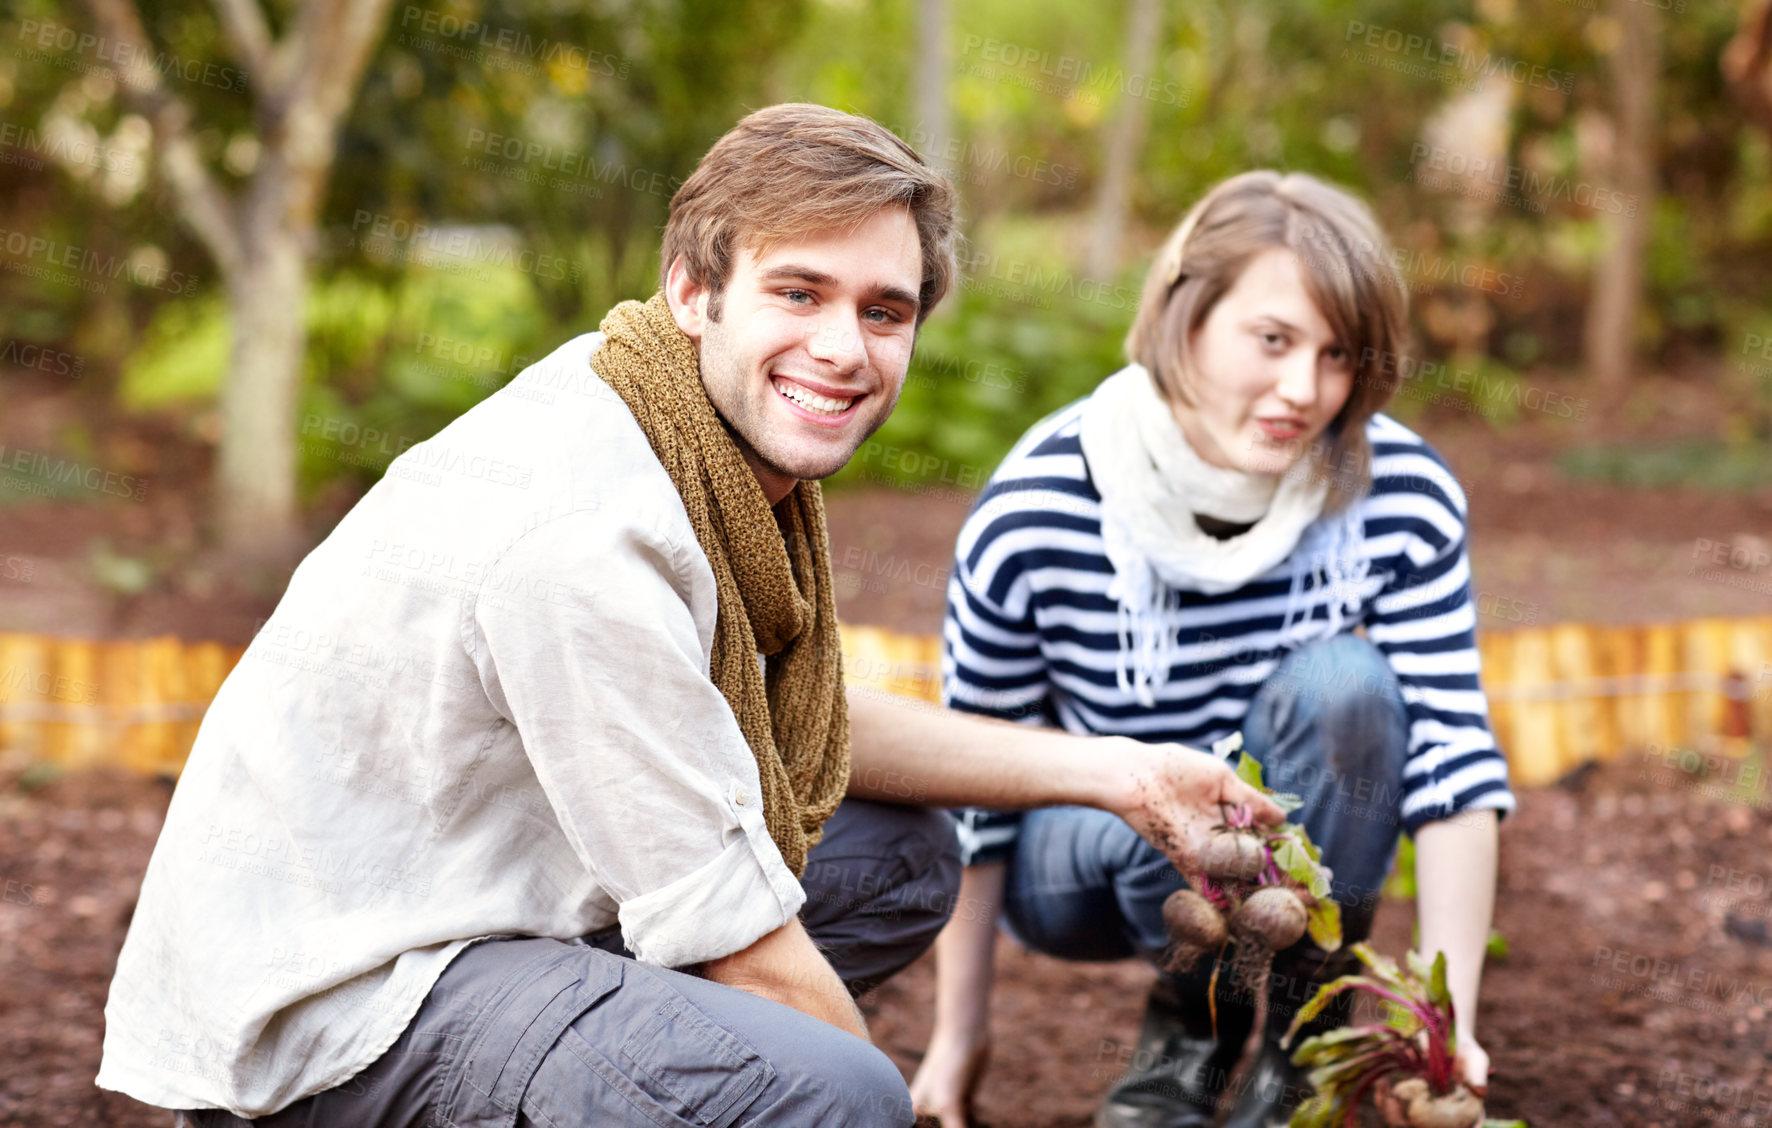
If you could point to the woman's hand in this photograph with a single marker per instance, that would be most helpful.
(948, 1078)
(1173, 796)
(1473, 1066)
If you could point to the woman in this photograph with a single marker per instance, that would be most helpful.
(1187, 553)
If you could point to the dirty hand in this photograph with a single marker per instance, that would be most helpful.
(1172, 796)
(947, 1079)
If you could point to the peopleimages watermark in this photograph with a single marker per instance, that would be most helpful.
(449, 247)
(1713, 775)
(1422, 271)
(25, 354)
(976, 162)
(30, 471)
(1454, 60)
(1739, 565)
(1706, 1097)
(1755, 345)
(1067, 75)
(1042, 281)
(500, 47)
(42, 36)
(930, 370)
(1456, 171)
(18, 569)
(25, 145)
(19, 679)
(923, 465)
(565, 169)
(43, 258)
(1436, 382)
(1668, 981)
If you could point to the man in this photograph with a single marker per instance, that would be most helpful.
(524, 805)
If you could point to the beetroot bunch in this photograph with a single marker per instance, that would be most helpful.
(1262, 890)
(1407, 1062)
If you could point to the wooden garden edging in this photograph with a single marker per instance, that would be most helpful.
(1560, 695)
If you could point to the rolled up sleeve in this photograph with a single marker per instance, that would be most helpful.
(591, 634)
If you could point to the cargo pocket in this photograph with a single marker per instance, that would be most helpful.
(678, 1069)
(530, 1018)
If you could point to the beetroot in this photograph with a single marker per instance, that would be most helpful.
(1273, 916)
(1195, 927)
(1233, 855)
(1458, 1109)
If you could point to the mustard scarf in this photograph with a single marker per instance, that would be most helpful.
(773, 575)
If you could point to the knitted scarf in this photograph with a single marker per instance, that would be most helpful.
(774, 579)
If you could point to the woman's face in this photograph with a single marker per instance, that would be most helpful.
(1268, 373)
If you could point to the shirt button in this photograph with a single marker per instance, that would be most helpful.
(740, 795)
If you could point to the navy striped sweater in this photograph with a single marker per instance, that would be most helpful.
(1031, 635)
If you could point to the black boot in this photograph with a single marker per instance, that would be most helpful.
(1273, 1086)
(1179, 1068)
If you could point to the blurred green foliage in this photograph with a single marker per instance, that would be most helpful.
(608, 106)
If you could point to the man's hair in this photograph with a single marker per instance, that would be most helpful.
(796, 169)
(1348, 270)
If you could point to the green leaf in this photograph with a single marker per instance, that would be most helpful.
(1321, 999)
(1418, 966)
(1437, 992)
(1249, 771)
(1323, 921)
(1316, 1112)
(1505, 1124)
(1496, 946)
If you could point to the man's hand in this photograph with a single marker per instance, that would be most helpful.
(1172, 796)
(904, 751)
(786, 967)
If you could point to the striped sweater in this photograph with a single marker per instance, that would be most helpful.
(1030, 633)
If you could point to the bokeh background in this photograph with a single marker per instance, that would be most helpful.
(251, 252)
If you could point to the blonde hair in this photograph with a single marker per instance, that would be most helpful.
(796, 169)
(1348, 271)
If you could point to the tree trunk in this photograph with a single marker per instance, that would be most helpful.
(1619, 275)
(934, 126)
(256, 470)
(1144, 27)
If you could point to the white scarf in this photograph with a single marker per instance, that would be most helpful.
(1152, 483)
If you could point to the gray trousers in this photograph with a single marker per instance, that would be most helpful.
(573, 1034)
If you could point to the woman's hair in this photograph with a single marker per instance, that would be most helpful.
(797, 169)
(1348, 271)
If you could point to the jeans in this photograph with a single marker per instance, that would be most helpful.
(1328, 725)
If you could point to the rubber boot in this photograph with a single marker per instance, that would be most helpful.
(1180, 1066)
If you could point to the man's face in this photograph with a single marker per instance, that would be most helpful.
(810, 352)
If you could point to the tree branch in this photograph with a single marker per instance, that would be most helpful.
(249, 38)
(323, 55)
(203, 204)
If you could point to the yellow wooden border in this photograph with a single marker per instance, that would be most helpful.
(1560, 695)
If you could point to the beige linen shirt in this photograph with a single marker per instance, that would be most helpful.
(481, 708)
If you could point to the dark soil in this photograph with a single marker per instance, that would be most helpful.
(1635, 992)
